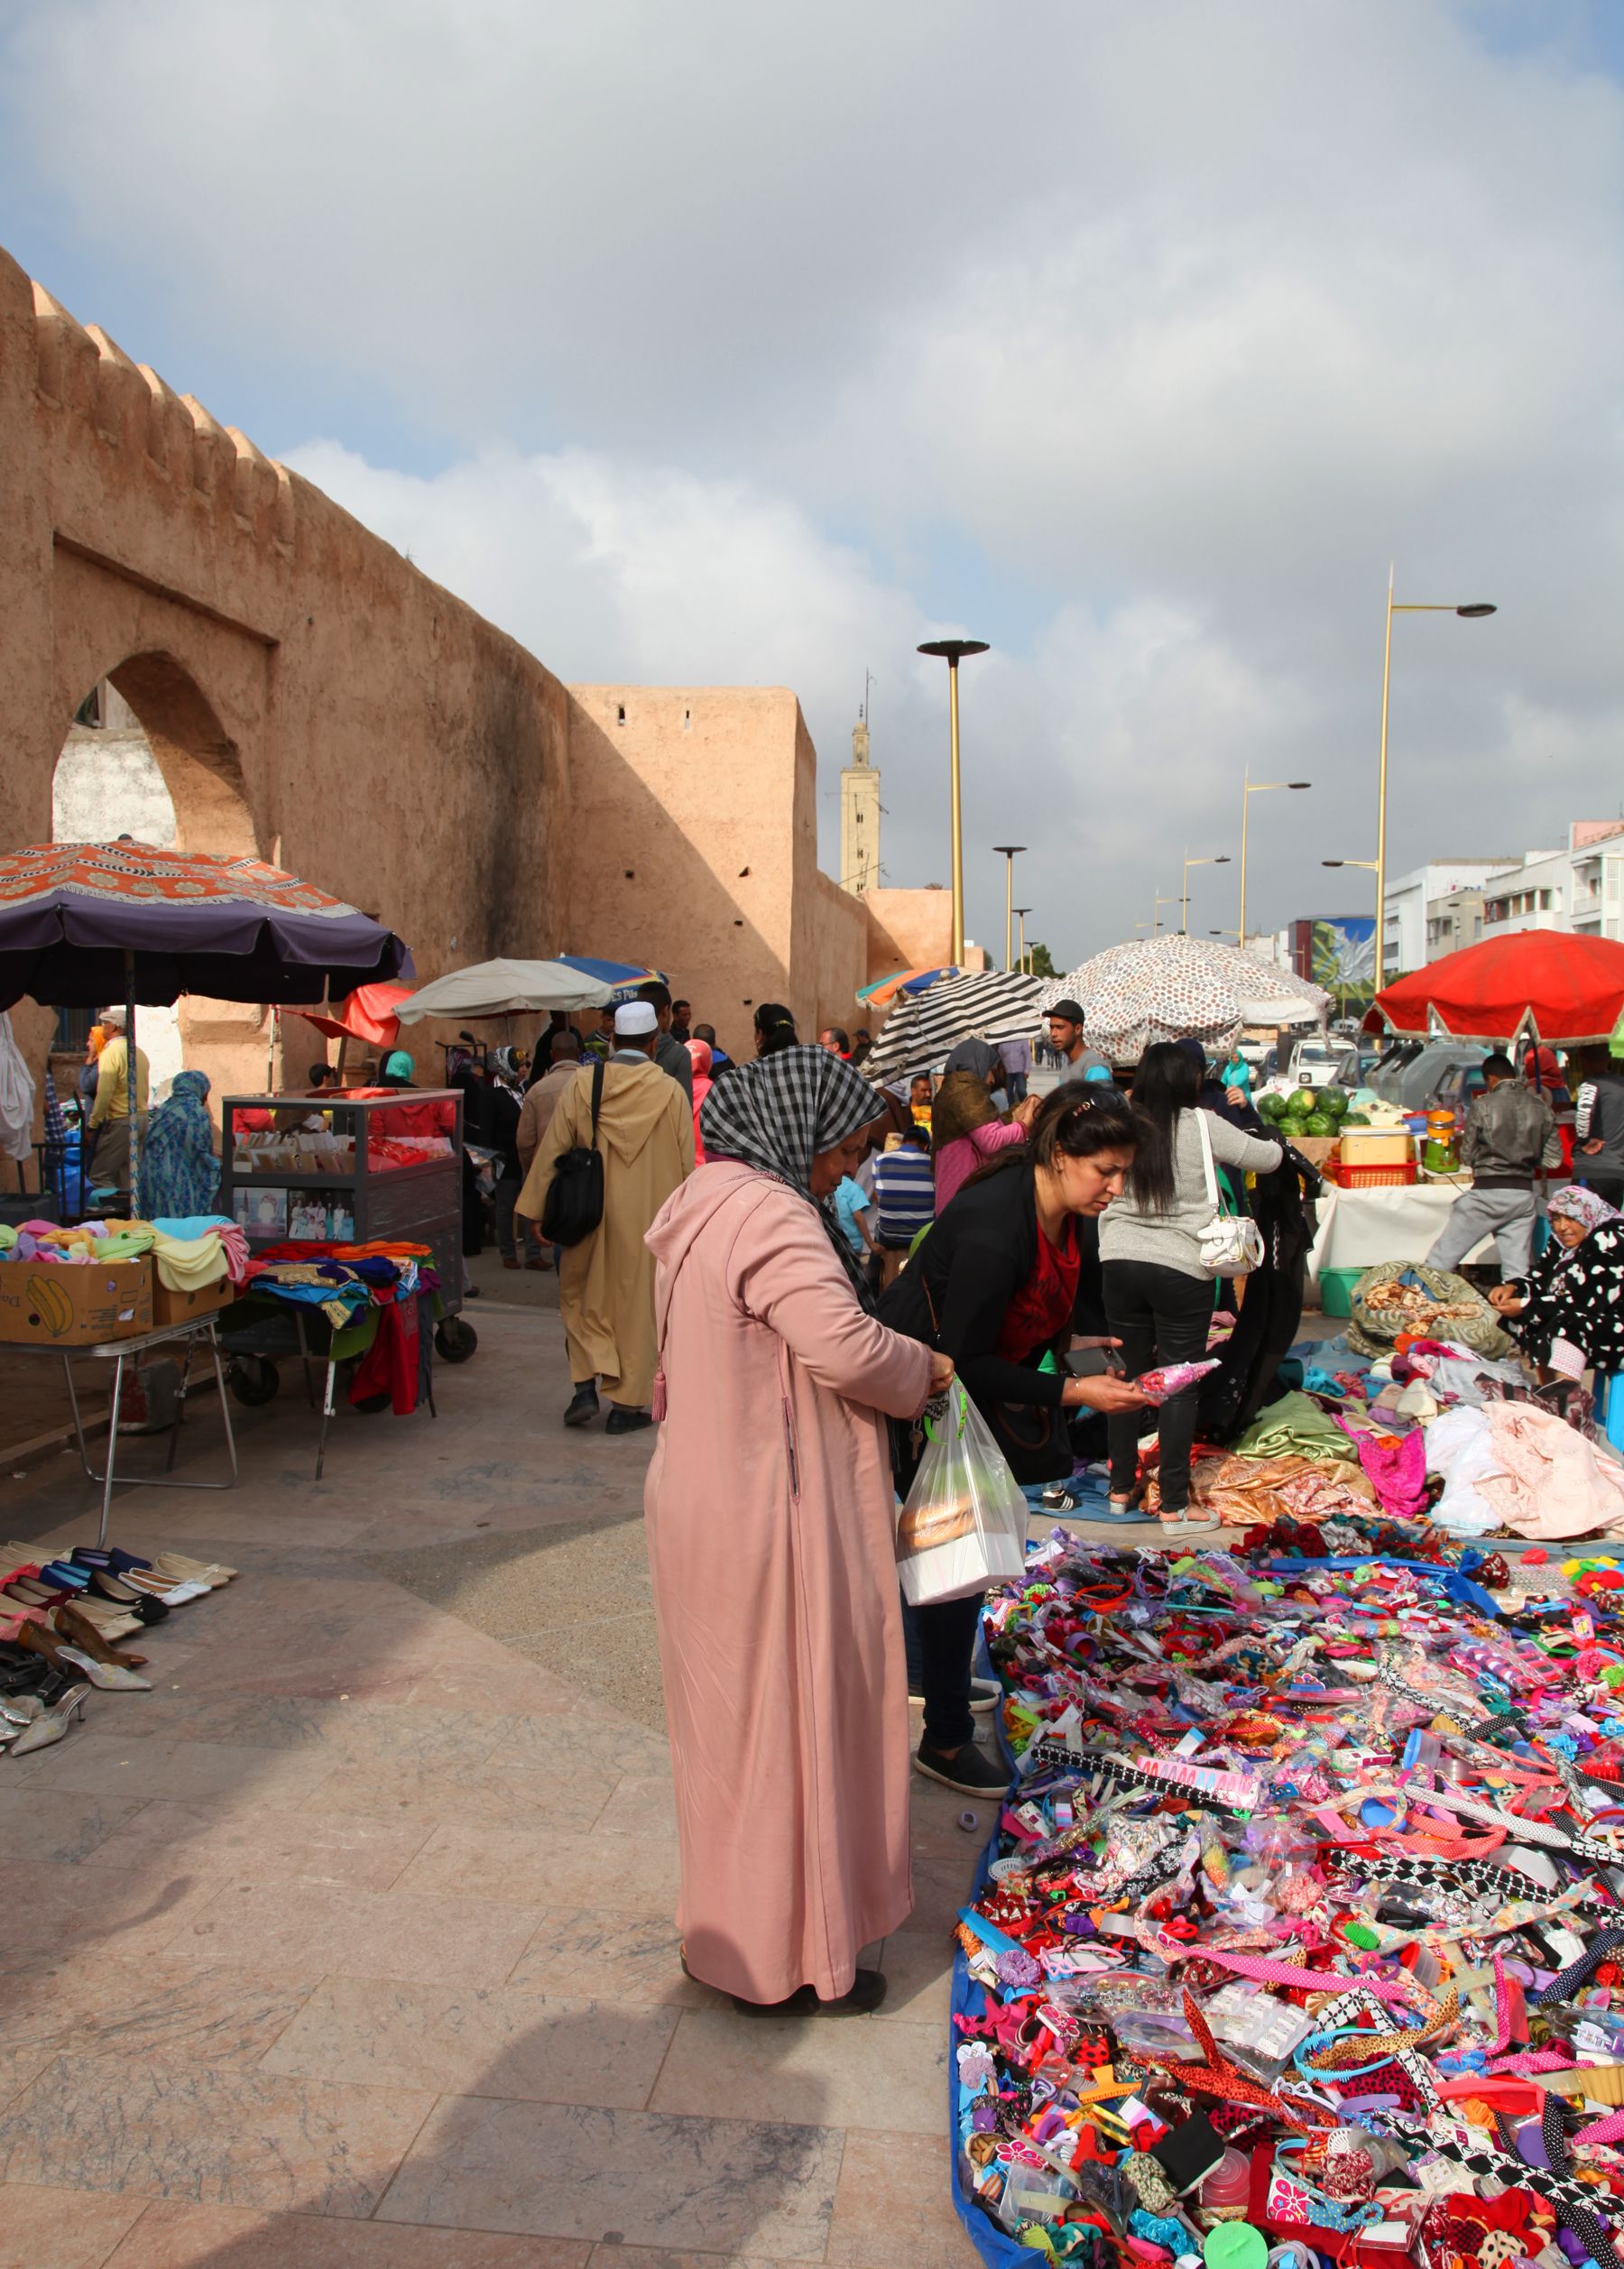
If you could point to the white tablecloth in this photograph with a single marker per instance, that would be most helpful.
(1359, 1228)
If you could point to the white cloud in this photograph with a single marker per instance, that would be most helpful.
(767, 341)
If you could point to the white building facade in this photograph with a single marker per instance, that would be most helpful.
(1453, 903)
(1580, 889)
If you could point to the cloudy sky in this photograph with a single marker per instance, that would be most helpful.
(733, 343)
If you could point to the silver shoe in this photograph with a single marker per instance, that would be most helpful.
(51, 1724)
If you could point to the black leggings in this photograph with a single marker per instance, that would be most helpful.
(1161, 1316)
(940, 1640)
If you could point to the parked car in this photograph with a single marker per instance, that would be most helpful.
(1408, 1076)
(1456, 1089)
(1320, 1064)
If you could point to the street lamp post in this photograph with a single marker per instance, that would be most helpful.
(1008, 852)
(1223, 860)
(1156, 925)
(1256, 788)
(1020, 914)
(953, 651)
(1472, 612)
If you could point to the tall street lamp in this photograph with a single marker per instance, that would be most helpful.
(1020, 914)
(1472, 612)
(1008, 852)
(1156, 925)
(1223, 860)
(1256, 788)
(953, 651)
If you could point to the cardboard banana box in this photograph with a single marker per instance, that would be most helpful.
(55, 1303)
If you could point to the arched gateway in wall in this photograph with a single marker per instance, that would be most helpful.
(305, 692)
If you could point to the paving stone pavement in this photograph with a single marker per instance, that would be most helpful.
(350, 1945)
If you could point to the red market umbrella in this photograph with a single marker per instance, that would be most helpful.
(366, 1014)
(1544, 984)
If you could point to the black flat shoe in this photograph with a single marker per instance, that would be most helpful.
(583, 1407)
(624, 1421)
(866, 1995)
(143, 1605)
(970, 1771)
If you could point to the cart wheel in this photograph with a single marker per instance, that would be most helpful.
(253, 1380)
(454, 1339)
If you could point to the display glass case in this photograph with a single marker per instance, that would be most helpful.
(349, 1167)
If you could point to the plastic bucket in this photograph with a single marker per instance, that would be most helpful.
(1336, 1290)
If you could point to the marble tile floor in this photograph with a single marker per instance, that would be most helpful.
(350, 1946)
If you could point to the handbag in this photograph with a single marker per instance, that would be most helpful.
(1229, 1243)
(573, 1205)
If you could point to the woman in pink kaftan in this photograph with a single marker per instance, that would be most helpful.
(771, 1515)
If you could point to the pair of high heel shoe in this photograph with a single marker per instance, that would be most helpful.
(39, 1698)
(32, 1722)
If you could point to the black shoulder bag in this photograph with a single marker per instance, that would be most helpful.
(573, 1205)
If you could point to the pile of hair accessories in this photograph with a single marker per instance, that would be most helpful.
(1301, 1939)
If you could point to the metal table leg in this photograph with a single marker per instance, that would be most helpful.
(118, 1372)
(79, 1431)
(178, 1419)
(305, 1357)
(219, 1370)
(326, 1412)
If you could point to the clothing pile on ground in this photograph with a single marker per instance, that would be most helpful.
(1427, 1428)
(1301, 1937)
(59, 1624)
(374, 1297)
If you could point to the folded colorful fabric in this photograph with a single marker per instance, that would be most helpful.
(1296, 1426)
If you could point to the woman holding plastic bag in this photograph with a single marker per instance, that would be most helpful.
(995, 1285)
(771, 1506)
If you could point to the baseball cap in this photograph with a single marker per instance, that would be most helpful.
(1069, 1010)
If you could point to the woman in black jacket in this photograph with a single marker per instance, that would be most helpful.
(996, 1285)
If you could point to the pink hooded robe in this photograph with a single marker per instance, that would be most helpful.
(769, 1525)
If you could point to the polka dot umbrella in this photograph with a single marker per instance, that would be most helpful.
(1161, 988)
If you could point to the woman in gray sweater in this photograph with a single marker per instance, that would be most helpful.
(1158, 1295)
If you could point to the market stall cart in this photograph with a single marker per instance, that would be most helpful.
(352, 1169)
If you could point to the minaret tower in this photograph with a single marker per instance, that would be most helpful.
(860, 817)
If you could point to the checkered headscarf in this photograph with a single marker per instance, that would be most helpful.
(777, 1113)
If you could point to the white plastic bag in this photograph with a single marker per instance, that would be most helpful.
(963, 1526)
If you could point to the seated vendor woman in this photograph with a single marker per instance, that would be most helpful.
(1568, 1311)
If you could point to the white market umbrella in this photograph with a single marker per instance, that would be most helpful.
(505, 988)
(1162, 988)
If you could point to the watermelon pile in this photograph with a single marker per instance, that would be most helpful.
(1306, 1111)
